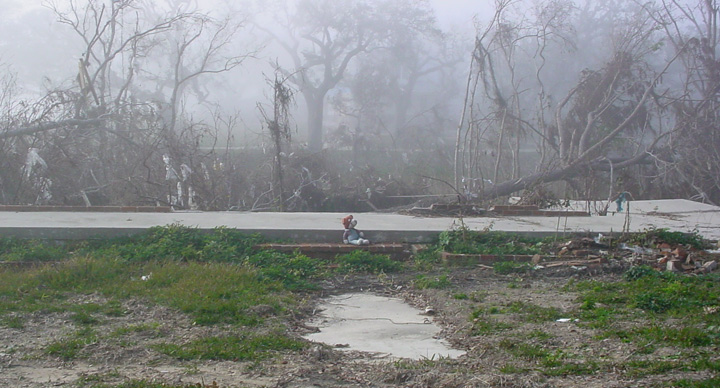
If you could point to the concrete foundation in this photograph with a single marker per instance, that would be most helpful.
(676, 215)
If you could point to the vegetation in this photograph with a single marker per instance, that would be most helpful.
(235, 348)
(656, 236)
(468, 241)
(246, 298)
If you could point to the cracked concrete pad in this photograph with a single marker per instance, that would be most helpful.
(376, 324)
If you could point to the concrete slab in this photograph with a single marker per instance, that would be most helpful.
(376, 324)
(676, 215)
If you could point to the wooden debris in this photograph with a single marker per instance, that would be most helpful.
(673, 266)
(536, 259)
(599, 260)
(707, 267)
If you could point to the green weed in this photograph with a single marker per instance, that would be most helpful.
(70, 347)
(687, 383)
(654, 236)
(13, 322)
(364, 261)
(534, 313)
(511, 267)
(438, 282)
(295, 271)
(491, 243)
(152, 329)
(244, 347)
(19, 250)
(511, 369)
(483, 325)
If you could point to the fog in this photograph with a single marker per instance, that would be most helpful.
(352, 104)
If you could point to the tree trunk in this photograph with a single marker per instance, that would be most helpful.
(528, 181)
(315, 110)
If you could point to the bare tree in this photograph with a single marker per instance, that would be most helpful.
(692, 161)
(322, 37)
(581, 130)
(278, 124)
(112, 133)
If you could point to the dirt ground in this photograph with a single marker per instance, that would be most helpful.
(113, 360)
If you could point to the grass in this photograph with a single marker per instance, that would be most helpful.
(655, 236)
(243, 347)
(216, 277)
(89, 383)
(511, 267)
(533, 313)
(364, 261)
(686, 383)
(219, 278)
(70, 347)
(657, 297)
(422, 282)
(465, 241)
(19, 250)
(551, 362)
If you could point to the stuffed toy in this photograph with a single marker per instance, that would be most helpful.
(352, 235)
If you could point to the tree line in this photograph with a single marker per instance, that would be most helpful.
(558, 98)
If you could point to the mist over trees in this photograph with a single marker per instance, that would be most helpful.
(350, 105)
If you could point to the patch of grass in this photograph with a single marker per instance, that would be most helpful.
(467, 241)
(524, 350)
(427, 259)
(214, 293)
(461, 296)
(89, 383)
(657, 297)
(553, 363)
(484, 325)
(687, 383)
(511, 267)
(642, 368)
(181, 243)
(686, 336)
(70, 347)
(572, 369)
(437, 282)
(654, 236)
(244, 347)
(512, 369)
(13, 322)
(210, 292)
(539, 335)
(364, 261)
(113, 308)
(152, 328)
(295, 271)
(83, 318)
(534, 313)
(20, 250)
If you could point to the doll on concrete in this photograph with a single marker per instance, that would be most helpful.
(352, 235)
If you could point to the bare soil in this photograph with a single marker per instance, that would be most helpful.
(116, 359)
